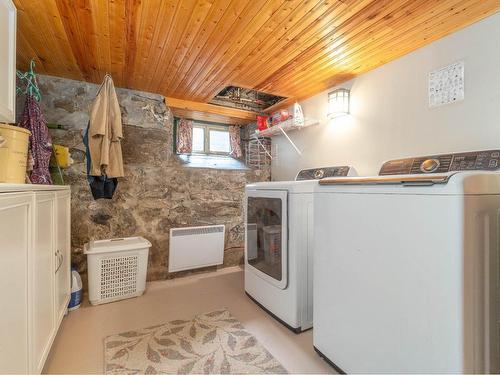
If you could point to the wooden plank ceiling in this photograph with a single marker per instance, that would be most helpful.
(191, 49)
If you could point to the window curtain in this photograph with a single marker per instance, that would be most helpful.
(235, 141)
(184, 136)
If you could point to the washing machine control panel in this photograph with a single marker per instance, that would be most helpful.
(466, 161)
(319, 173)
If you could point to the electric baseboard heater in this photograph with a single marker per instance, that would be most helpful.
(196, 247)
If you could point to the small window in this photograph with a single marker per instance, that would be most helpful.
(211, 139)
(219, 141)
(198, 139)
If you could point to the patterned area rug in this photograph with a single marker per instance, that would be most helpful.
(213, 343)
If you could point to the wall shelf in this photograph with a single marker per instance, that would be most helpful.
(285, 126)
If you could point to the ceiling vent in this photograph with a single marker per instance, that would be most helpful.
(246, 99)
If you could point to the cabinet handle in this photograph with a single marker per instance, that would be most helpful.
(60, 258)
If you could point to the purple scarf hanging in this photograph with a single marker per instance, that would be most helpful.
(40, 145)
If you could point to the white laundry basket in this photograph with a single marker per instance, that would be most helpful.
(116, 268)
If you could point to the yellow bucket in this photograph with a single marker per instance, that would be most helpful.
(13, 153)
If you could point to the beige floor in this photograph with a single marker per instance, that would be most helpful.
(78, 347)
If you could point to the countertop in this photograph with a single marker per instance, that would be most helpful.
(9, 188)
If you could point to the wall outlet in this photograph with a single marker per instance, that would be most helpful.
(446, 85)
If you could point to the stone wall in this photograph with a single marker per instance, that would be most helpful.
(158, 192)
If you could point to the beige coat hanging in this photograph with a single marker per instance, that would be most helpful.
(105, 132)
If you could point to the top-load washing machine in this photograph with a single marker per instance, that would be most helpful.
(406, 267)
(278, 245)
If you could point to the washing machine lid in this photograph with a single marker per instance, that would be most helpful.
(475, 172)
(305, 181)
(306, 186)
(452, 183)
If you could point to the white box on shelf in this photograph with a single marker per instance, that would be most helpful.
(290, 124)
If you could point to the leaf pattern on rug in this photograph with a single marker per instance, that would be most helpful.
(212, 343)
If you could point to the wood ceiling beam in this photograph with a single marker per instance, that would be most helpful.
(235, 116)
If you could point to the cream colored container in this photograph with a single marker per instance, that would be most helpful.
(13, 153)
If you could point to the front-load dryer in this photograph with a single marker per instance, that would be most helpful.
(406, 267)
(278, 245)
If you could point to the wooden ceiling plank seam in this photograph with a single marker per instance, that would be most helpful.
(264, 32)
(206, 29)
(162, 31)
(198, 47)
(133, 11)
(347, 44)
(333, 74)
(105, 40)
(363, 18)
(242, 67)
(340, 42)
(61, 41)
(307, 5)
(323, 67)
(221, 36)
(184, 12)
(441, 29)
(100, 19)
(66, 56)
(75, 38)
(142, 19)
(28, 20)
(221, 50)
(147, 40)
(197, 20)
(308, 27)
(25, 54)
(211, 43)
(86, 20)
(215, 69)
(163, 47)
(117, 35)
(332, 70)
(25, 49)
(248, 63)
(183, 9)
(251, 49)
(414, 37)
(219, 66)
(294, 56)
(423, 42)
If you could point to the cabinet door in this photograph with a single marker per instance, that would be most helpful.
(15, 243)
(63, 254)
(42, 268)
(7, 61)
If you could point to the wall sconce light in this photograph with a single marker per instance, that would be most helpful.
(338, 103)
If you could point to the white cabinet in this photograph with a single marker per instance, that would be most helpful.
(7, 61)
(62, 255)
(15, 245)
(34, 273)
(42, 268)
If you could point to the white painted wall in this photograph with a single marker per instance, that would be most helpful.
(390, 117)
